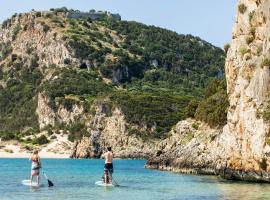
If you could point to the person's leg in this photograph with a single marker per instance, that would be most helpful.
(34, 178)
(111, 173)
(31, 178)
(38, 179)
(110, 176)
(106, 177)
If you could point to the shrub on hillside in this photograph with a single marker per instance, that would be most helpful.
(265, 62)
(158, 110)
(15, 32)
(17, 102)
(242, 8)
(45, 28)
(213, 109)
(227, 47)
(76, 131)
(42, 140)
(191, 108)
(5, 136)
(73, 82)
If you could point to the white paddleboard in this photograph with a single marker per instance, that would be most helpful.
(34, 184)
(100, 183)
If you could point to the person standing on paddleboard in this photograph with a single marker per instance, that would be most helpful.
(36, 166)
(108, 168)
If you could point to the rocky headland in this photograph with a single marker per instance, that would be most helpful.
(241, 149)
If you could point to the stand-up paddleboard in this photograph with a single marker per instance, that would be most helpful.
(101, 183)
(28, 183)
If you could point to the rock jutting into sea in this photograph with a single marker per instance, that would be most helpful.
(241, 149)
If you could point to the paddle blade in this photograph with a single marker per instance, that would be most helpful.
(50, 184)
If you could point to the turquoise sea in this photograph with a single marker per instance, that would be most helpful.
(75, 179)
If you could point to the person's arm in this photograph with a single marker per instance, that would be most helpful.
(103, 156)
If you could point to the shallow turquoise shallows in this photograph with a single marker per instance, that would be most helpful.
(75, 179)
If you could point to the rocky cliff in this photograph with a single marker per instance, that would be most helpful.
(247, 74)
(241, 149)
(188, 149)
(112, 131)
(105, 127)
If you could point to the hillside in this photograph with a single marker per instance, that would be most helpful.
(60, 73)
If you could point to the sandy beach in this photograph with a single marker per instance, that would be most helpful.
(59, 148)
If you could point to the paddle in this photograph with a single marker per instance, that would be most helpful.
(115, 182)
(50, 184)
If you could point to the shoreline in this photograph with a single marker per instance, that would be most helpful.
(60, 148)
(27, 155)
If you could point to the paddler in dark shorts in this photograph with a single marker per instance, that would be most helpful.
(108, 167)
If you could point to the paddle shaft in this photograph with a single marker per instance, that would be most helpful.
(50, 183)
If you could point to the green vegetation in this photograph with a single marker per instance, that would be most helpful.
(77, 131)
(249, 39)
(17, 101)
(6, 23)
(242, 8)
(188, 137)
(191, 108)
(265, 62)
(213, 109)
(267, 140)
(46, 28)
(158, 110)
(259, 50)
(251, 16)
(227, 47)
(252, 31)
(5, 50)
(42, 140)
(125, 52)
(79, 83)
(155, 76)
(195, 126)
(5, 136)
(8, 150)
(265, 114)
(243, 51)
(15, 32)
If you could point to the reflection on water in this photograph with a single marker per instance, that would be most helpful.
(75, 179)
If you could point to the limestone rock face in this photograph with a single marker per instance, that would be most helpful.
(248, 80)
(111, 131)
(48, 116)
(46, 44)
(239, 150)
(107, 127)
(189, 149)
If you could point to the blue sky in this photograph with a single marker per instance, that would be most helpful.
(212, 20)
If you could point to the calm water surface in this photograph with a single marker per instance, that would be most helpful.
(75, 179)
